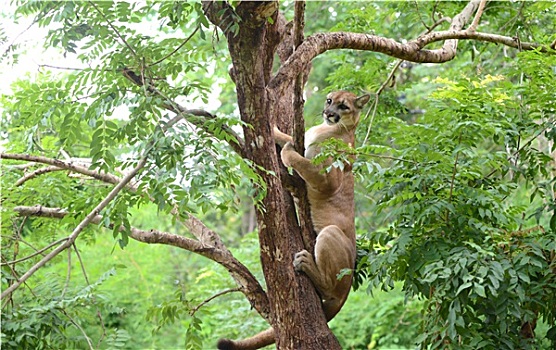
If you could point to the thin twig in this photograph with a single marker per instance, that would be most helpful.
(454, 171)
(388, 79)
(68, 274)
(16, 277)
(377, 95)
(419, 13)
(92, 295)
(58, 67)
(178, 48)
(114, 29)
(78, 327)
(35, 20)
(477, 18)
(388, 157)
(528, 143)
(38, 252)
(227, 291)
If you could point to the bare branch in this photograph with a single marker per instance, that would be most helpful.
(78, 327)
(114, 28)
(247, 283)
(38, 252)
(36, 173)
(11, 45)
(93, 297)
(73, 236)
(377, 96)
(390, 78)
(227, 291)
(62, 165)
(177, 48)
(182, 112)
(58, 67)
(477, 18)
(68, 275)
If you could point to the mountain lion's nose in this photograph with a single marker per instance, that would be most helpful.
(332, 117)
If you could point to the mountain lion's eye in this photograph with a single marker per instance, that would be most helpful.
(343, 107)
(328, 101)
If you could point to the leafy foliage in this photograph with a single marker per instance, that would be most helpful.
(455, 193)
(484, 263)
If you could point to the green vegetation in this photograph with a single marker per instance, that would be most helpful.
(455, 193)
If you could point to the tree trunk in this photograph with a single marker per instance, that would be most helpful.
(296, 311)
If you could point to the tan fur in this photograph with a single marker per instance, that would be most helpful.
(331, 199)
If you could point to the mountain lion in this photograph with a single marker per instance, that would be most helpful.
(330, 195)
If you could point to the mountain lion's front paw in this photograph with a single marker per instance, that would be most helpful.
(286, 153)
(302, 259)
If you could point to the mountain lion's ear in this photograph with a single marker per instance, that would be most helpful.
(362, 100)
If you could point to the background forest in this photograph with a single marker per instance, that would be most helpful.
(455, 191)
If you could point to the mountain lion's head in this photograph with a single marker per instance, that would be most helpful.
(342, 107)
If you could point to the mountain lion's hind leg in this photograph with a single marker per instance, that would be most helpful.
(333, 253)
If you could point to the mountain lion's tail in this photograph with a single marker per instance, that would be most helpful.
(266, 337)
(255, 342)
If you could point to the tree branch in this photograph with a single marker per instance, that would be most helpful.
(298, 120)
(177, 48)
(207, 239)
(195, 226)
(114, 28)
(204, 302)
(36, 173)
(391, 78)
(62, 165)
(38, 252)
(247, 283)
(221, 14)
(477, 18)
(73, 236)
(181, 111)
(412, 51)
